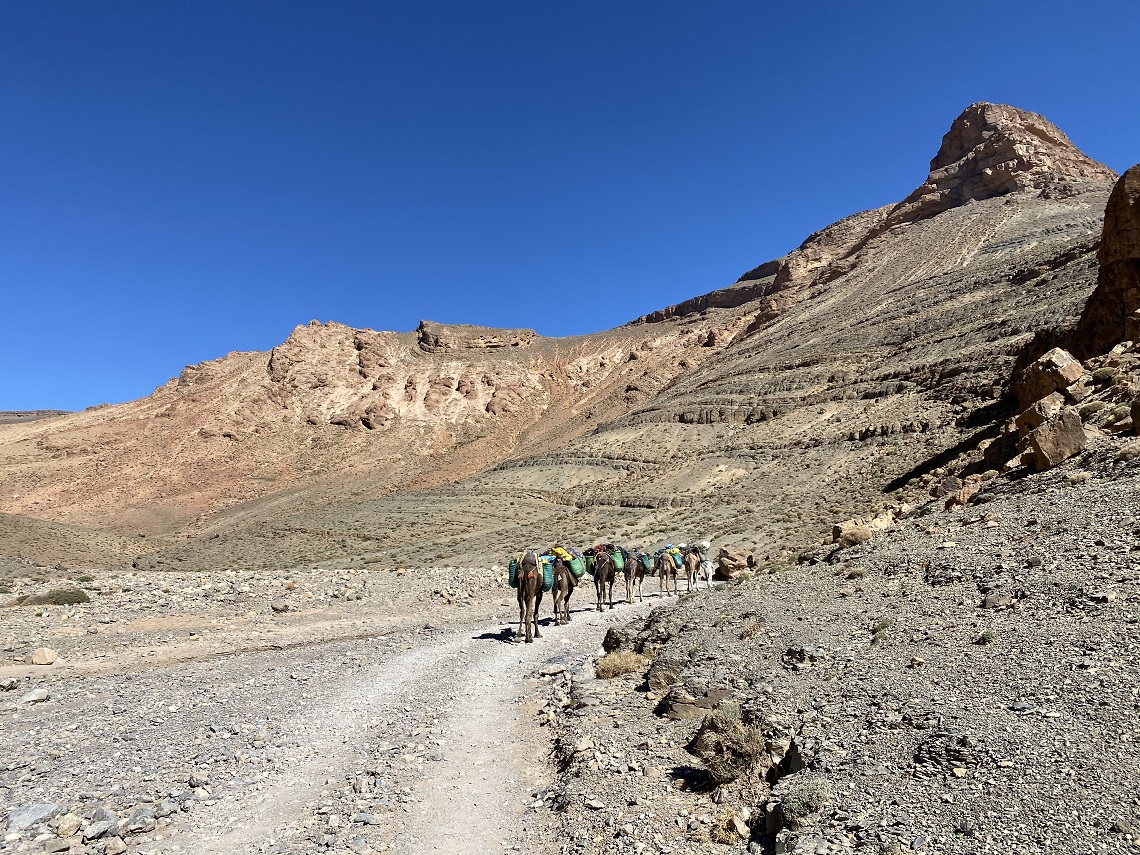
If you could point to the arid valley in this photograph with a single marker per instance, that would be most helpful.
(266, 608)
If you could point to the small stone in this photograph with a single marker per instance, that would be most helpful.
(279, 606)
(35, 696)
(917, 662)
(68, 824)
(114, 846)
(741, 827)
(7, 684)
(595, 804)
(43, 656)
(57, 846)
(552, 670)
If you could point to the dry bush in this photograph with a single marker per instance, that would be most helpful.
(58, 597)
(619, 663)
(727, 747)
(753, 629)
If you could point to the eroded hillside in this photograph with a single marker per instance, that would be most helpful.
(806, 392)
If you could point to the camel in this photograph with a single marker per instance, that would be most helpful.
(530, 595)
(604, 575)
(564, 585)
(693, 563)
(666, 570)
(627, 571)
(642, 565)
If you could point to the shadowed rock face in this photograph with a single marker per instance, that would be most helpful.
(1111, 315)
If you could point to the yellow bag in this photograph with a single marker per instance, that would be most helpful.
(563, 554)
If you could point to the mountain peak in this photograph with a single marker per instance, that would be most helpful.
(994, 149)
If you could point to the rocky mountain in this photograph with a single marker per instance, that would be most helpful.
(810, 390)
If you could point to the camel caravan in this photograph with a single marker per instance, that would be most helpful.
(560, 570)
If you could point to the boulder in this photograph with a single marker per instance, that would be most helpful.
(42, 656)
(850, 533)
(1134, 414)
(28, 815)
(1058, 439)
(1039, 413)
(1111, 313)
(730, 563)
(1055, 370)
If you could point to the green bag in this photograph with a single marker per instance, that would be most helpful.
(619, 559)
(546, 562)
(513, 573)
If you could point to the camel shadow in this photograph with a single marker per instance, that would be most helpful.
(505, 635)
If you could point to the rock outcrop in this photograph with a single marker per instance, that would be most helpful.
(1112, 313)
(994, 149)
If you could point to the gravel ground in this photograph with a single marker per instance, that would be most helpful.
(968, 682)
(340, 727)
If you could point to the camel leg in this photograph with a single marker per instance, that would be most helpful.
(522, 614)
(534, 613)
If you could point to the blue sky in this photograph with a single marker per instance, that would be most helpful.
(183, 179)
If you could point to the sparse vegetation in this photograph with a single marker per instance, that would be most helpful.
(988, 636)
(726, 746)
(751, 630)
(619, 663)
(57, 597)
(805, 797)
(1105, 375)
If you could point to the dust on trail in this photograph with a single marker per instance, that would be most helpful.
(471, 799)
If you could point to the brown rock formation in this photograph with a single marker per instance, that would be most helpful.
(1112, 313)
(994, 149)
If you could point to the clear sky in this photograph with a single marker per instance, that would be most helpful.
(183, 179)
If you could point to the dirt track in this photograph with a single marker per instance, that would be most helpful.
(409, 738)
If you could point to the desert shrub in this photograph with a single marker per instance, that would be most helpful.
(804, 797)
(1105, 375)
(1119, 412)
(1091, 409)
(59, 597)
(619, 663)
(856, 572)
(84, 577)
(987, 637)
(753, 629)
(726, 746)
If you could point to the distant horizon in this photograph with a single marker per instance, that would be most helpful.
(187, 180)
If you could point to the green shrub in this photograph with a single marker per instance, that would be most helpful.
(1105, 375)
(59, 597)
(804, 797)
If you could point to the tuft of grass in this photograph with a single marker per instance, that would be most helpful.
(1105, 375)
(881, 625)
(1091, 409)
(59, 597)
(84, 577)
(989, 636)
(619, 663)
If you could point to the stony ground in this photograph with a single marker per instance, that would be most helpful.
(377, 711)
(968, 682)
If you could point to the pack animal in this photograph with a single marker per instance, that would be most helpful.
(604, 576)
(564, 585)
(530, 596)
(694, 564)
(666, 570)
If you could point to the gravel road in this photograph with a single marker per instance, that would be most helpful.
(412, 738)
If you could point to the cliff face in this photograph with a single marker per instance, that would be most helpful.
(1112, 314)
(763, 410)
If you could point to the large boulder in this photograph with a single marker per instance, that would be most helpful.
(1039, 413)
(730, 563)
(1054, 371)
(1057, 440)
(1112, 313)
